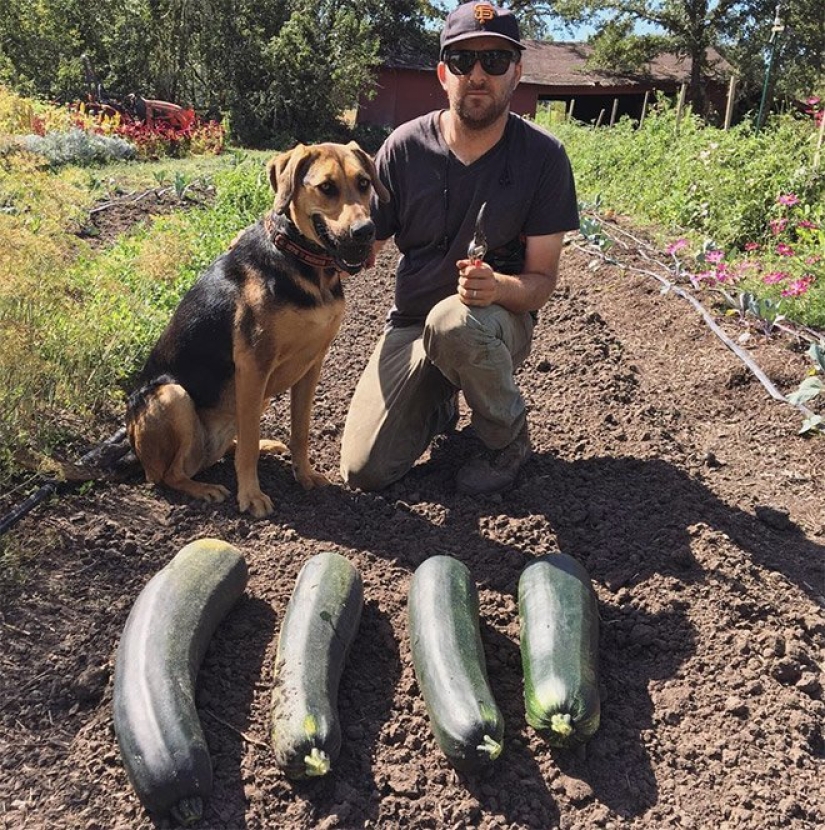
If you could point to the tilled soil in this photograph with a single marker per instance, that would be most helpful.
(660, 463)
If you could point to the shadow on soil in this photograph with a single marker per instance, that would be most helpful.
(626, 520)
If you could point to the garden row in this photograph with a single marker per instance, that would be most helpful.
(737, 209)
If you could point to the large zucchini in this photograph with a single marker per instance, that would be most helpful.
(448, 657)
(319, 626)
(164, 640)
(559, 618)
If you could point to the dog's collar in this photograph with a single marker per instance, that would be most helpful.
(286, 237)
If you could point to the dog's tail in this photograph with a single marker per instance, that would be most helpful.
(111, 460)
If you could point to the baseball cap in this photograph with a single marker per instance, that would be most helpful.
(480, 20)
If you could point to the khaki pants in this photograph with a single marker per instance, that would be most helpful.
(405, 396)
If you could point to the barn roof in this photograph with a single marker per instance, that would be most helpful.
(565, 64)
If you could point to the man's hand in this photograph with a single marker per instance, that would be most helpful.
(477, 285)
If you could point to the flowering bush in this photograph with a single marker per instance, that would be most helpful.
(21, 116)
(786, 265)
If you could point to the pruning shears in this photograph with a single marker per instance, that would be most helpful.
(477, 248)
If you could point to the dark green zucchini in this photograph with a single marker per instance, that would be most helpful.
(164, 640)
(448, 657)
(319, 626)
(559, 618)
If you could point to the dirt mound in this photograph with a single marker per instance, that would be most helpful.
(660, 463)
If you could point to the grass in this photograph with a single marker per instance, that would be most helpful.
(76, 324)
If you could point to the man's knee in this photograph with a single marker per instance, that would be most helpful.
(362, 477)
(450, 332)
(367, 470)
(446, 319)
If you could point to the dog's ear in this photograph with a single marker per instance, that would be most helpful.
(380, 191)
(284, 171)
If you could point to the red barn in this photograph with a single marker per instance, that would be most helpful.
(408, 86)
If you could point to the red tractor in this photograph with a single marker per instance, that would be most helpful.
(134, 107)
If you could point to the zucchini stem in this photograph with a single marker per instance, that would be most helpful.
(561, 724)
(317, 763)
(491, 747)
(188, 811)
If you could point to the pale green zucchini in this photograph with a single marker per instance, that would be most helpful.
(319, 626)
(559, 618)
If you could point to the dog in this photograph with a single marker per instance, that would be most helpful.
(257, 322)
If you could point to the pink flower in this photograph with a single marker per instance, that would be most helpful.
(714, 256)
(704, 276)
(752, 246)
(788, 199)
(678, 245)
(778, 225)
(813, 100)
(784, 250)
(806, 223)
(798, 287)
(813, 259)
(725, 274)
(775, 277)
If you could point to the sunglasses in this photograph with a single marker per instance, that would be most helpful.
(493, 61)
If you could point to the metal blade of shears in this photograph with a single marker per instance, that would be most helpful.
(477, 249)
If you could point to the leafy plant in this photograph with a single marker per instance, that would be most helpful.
(181, 183)
(810, 388)
(78, 147)
(750, 203)
(593, 231)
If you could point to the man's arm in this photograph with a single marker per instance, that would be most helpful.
(528, 291)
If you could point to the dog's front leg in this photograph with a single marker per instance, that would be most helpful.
(250, 386)
(300, 401)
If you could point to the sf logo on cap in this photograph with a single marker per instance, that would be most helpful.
(483, 12)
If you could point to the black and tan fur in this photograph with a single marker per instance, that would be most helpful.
(259, 321)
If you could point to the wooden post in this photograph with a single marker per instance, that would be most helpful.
(599, 119)
(680, 108)
(818, 153)
(614, 111)
(570, 111)
(644, 108)
(729, 106)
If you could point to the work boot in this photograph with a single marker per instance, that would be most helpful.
(497, 471)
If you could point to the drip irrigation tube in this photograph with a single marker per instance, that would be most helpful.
(107, 451)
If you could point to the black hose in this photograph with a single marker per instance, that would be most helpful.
(107, 452)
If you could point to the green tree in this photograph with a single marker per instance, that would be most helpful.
(616, 47)
(321, 61)
(799, 67)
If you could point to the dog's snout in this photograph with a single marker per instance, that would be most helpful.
(363, 231)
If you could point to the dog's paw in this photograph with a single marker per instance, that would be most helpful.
(258, 504)
(269, 446)
(207, 492)
(309, 479)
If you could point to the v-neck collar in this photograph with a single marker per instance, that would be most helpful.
(453, 158)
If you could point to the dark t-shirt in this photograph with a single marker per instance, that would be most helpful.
(525, 179)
